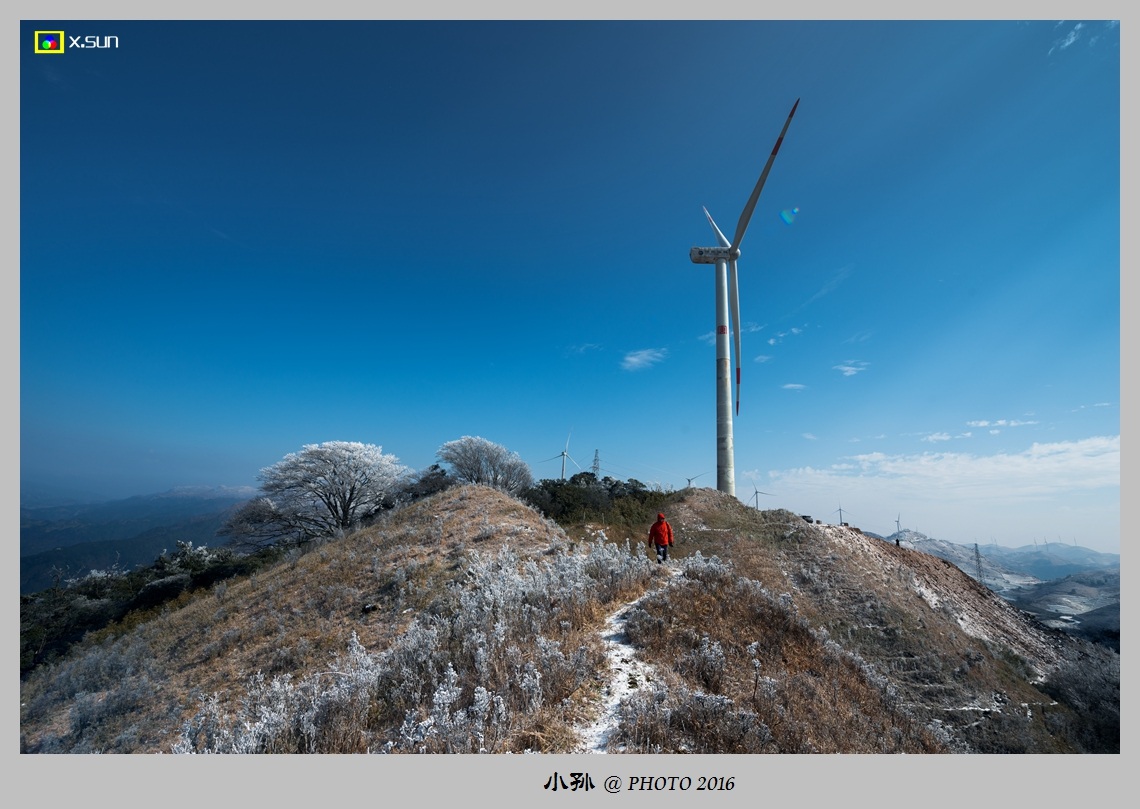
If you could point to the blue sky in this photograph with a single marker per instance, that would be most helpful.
(237, 238)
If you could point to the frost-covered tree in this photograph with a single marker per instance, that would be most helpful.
(323, 490)
(477, 460)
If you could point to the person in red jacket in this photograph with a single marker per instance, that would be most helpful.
(661, 536)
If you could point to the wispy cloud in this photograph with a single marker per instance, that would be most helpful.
(1078, 32)
(832, 284)
(1000, 423)
(1067, 40)
(810, 436)
(935, 438)
(709, 337)
(779, 336)
(851, 367)
(1083, 407)
(795, 386)
(645, 358)
(582, 348)
(762, 358)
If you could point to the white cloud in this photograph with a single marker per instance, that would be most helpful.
(795, 386)
(810, 437)
(709, 337)
(779, 338)
(1098, 404)
(762, 358)
(934, 438)
(1000, 423)
(582, 348)
(838, 278)
(851, 367)
(1068, 39)
(1070, 487)
(647, 357)
(1041, 469)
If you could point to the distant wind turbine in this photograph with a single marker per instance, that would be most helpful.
(756, 495)
(564, 455)
(728, 302)
(898, 525)
(694, 477)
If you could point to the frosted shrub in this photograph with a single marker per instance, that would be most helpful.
(684, 721)
(530, 683)
(705, 664)
(100, 668)
(407, 671)
(710, 570)
(642, 626)
(643, 722)
(326, 712)
(89, 711)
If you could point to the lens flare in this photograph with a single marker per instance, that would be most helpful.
(789, 215)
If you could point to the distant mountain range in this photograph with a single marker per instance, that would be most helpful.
(71, 540)
(1064, 586)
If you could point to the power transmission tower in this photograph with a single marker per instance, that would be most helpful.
(978, 562)
(597, 464)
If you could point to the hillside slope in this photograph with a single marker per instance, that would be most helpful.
(468, 622)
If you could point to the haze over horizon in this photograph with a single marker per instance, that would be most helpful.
(280, 233)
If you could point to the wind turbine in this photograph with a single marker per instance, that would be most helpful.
(756, 495)
(898, 525)
(728, 303)
(564, 455)
(694, 477)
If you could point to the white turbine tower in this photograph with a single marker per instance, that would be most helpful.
(728, 305)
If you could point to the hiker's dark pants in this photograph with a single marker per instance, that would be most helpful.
(662, 553)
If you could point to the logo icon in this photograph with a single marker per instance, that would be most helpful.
(49, 41)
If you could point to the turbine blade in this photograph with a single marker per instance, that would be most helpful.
(746, 214)
(734, 316)
(720, 236)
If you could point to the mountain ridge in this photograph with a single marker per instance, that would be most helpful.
(783, 636)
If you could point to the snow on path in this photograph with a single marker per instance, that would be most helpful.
(627, 675)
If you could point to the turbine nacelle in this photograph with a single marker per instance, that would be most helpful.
(711, 255)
